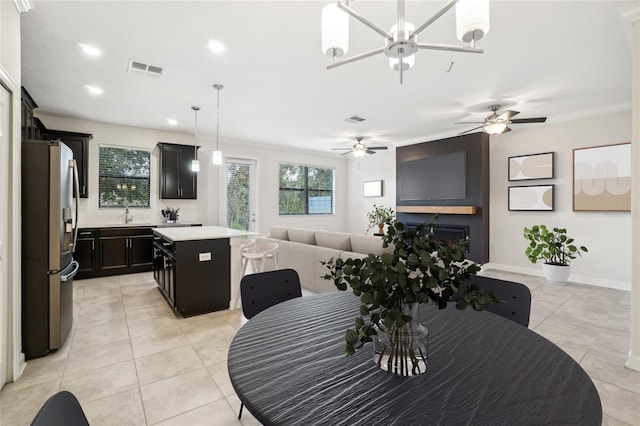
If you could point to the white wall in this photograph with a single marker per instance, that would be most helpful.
(206, 208)
(607, 235)
(381, 165)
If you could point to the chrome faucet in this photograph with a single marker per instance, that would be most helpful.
(127, 218)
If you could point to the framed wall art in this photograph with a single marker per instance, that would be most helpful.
(532, 166)
(602, 178)
(531, 198)
(372, 188)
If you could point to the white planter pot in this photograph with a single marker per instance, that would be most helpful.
(556, 274)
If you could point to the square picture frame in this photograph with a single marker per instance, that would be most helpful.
(602, 178)
(535, 198)
(372, 188)
(531, 166)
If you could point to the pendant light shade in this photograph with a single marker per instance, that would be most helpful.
(472, 20)
(195, 164)
(217, 154)
(335, 31)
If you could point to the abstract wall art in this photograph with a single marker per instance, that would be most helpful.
(602, 178)
(531, 198)
(533, 166)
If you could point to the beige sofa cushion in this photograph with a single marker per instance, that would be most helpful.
(335, 240)
(304, 236)
(368, 244)
(280, 232)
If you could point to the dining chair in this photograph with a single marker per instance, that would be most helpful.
(61, 409)
(264, 289)
(257, 254)
(516, 298)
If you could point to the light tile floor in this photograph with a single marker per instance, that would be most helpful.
(131, 361)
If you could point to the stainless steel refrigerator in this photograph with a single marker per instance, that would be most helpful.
(49, 232)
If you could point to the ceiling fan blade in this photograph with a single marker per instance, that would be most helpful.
(341, 149)
(470, 130)
(507, 115)
(506, 129)
(530, 120)
(377, 147)
(368, 151)
(469, 122)
(348, 152)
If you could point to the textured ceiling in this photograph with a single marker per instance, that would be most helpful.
(560, 59)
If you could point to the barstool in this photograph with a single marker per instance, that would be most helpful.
(256, 254)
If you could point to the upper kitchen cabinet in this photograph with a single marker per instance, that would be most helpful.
(31, 127)
(177, 180)
(79, 144)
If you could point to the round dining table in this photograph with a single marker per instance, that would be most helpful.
(288, 365)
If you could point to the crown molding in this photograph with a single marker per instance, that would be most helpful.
(23, 5)
(632, 14)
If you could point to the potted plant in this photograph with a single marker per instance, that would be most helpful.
(170, 213)
(555, 248)
(379, 216)
(421, 269)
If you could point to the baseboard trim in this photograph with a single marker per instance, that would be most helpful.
(633, 362)
(581, 279)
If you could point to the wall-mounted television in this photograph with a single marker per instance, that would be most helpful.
(441, 177)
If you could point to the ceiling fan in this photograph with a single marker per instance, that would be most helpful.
(359, 149)
(496, 124)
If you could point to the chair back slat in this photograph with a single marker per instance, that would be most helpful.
(265, 289)
(517, 298)
(61, 409)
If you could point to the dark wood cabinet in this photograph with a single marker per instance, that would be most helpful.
(177, 180)
(86, 252)
(193, 275)
(79, 144)
(30, 126)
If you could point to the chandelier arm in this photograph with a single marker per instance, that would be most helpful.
(449, 47)
(431, 20)
(356, 58)
(365, 21)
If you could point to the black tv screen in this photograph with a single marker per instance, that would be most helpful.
(442, 177)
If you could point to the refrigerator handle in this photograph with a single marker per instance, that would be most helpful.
(73, 164)
(70, 275)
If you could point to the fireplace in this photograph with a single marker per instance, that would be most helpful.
(452, 233)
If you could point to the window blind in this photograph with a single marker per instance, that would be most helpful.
(124, 177)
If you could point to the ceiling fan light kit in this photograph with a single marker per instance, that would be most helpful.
(401, 42)
(496, 124)
(360, 149)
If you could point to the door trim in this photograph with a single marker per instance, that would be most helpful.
(254, 182)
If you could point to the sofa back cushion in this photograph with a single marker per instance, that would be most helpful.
(305, 236)
(368, 244)
(334, 240)
(280, 232)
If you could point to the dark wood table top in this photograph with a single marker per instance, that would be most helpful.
(289, 367)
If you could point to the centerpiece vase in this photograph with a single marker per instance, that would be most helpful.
(403, 350)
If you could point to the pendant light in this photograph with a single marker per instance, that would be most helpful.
(195, 164)
(217, 154)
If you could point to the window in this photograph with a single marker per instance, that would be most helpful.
(238, 195)
(124, 177)
(305, 190)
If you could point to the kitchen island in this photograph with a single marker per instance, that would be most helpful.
(196, 268)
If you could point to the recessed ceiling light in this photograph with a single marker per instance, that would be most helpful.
(90, 50)
(216, 46)
(94, 89)
(172, 122)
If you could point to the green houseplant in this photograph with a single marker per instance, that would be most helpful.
(555, 248)
(420, 269)
(379, 216)
(170, 213)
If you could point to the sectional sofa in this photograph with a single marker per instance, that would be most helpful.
(303, 249)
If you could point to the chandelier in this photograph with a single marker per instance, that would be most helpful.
(401, 41)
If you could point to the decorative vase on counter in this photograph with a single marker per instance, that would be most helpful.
(403, 350)
(381, 228)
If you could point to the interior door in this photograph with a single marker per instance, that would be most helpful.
(5, 133)
(241, 194)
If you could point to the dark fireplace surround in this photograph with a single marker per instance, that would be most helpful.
(475, 184)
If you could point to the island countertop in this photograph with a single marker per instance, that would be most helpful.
(200, 233)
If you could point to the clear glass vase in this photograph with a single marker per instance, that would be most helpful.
(403, 350)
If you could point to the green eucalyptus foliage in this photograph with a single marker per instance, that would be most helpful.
(420, 269)
(553, 246)
(380, 215)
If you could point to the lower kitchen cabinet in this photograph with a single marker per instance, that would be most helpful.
(113, 251)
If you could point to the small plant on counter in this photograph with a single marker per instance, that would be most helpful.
(170, 213)
(379, 216)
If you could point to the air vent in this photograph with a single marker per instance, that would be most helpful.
(354, 119)
(148, 70)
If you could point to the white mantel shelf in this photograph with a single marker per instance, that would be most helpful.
(438, 209)
(200, 233)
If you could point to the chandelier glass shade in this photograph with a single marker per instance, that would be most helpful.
(401, 43)
(495, 128)
(217, 154)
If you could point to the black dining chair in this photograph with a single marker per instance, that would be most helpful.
(265, 289)
(516, 298)
(61, 409)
